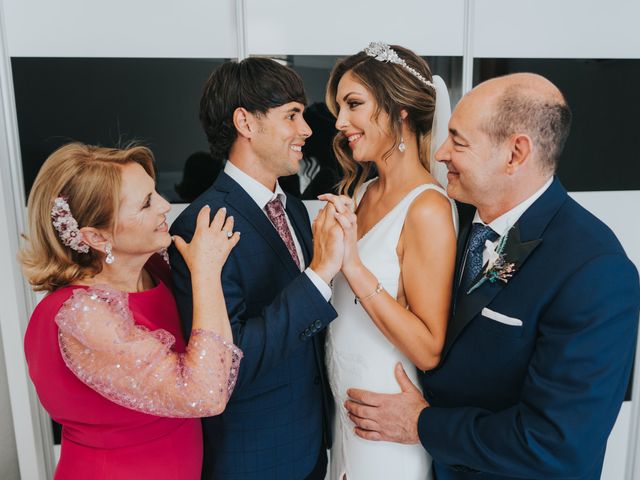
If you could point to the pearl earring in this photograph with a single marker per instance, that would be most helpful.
(110, 258)
(401, 146)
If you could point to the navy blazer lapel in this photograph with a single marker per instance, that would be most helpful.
(302, 234)
(523, 239)
(244, 205)
(465, 215)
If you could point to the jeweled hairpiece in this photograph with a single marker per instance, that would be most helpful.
(67, 226)
(384, 53)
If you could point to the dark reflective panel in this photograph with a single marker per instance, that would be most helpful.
(155, 101)
(112, 101)
(602, 149)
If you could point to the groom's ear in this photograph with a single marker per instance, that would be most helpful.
(243, 121)
(521, 148)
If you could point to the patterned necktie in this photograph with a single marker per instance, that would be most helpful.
(275, 212)
(473, 264)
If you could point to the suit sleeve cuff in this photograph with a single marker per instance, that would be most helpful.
(323, 288)
(423, 424)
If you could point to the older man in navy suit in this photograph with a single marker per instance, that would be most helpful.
(541, 338)
(275, 282)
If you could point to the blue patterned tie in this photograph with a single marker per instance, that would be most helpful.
(479, 235)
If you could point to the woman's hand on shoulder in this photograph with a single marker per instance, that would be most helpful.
(211, 243)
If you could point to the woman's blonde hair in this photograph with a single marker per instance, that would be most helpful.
(90, 179)
(394, 89)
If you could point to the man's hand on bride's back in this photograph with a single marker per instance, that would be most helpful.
(211, 243)
(389, 417)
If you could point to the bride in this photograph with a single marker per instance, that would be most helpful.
(393, 294)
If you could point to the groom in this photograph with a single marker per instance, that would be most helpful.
(275, 281)
(541, 340)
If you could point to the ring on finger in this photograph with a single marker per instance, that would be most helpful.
(229, 234)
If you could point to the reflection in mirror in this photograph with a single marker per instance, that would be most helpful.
(200, 170)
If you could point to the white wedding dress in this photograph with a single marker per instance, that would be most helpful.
(358, 355)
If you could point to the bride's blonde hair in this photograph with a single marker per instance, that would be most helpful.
(394, 89)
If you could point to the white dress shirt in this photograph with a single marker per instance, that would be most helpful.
(504, 222)
(262, 195)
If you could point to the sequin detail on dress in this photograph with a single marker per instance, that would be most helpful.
(135, 367)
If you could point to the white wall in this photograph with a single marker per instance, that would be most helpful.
(8, 453)
(297, 27)
(121, 28)
(556, 29)
(31, 426)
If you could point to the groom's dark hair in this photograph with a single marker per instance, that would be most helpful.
(257, 84)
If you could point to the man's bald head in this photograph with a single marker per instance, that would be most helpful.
(526, 103)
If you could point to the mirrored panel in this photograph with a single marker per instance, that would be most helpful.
(155, 101)
(111, 102)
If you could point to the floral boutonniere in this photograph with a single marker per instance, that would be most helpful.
(498, 267)
(500, 270)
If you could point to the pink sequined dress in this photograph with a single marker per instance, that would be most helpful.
(114, 370)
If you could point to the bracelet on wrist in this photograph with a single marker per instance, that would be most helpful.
(379, 288)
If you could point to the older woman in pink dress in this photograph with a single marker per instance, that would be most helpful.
(104, 347)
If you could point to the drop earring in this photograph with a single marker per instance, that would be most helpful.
(401, 146)
(110, 258)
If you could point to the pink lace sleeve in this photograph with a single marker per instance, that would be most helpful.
(135, 367)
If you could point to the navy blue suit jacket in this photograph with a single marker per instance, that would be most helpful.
(537, 400)
(274, 423)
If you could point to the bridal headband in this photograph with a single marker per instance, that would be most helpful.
(439, 131)
(67, 226)
(384, 53)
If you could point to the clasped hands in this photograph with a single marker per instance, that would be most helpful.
(334, 236)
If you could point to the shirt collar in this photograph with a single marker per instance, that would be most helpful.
(257, 191)
(504, 222)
